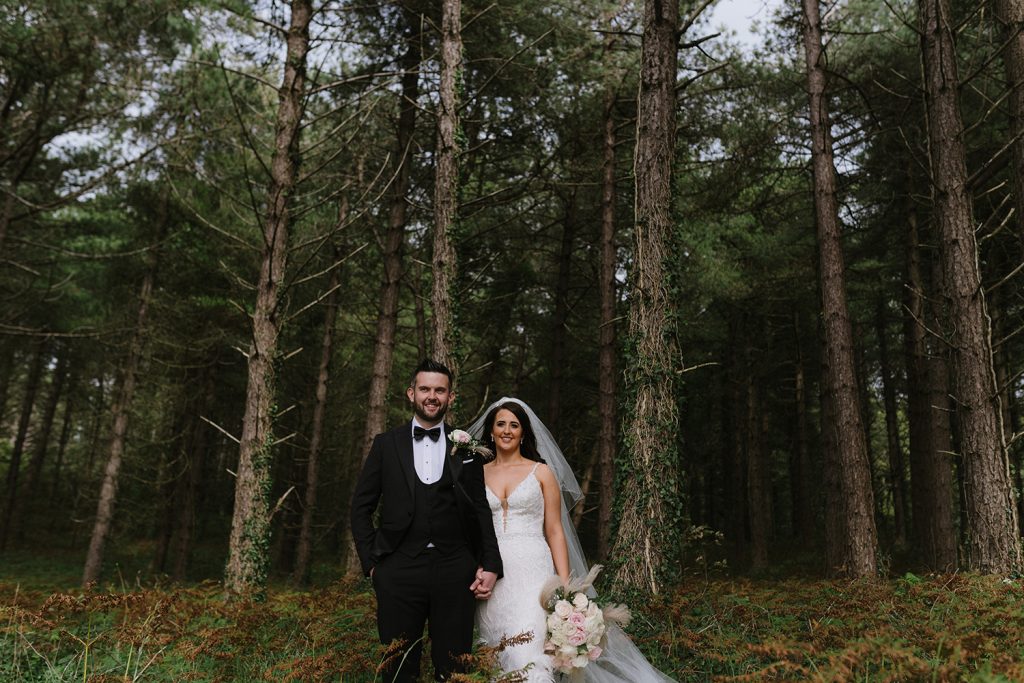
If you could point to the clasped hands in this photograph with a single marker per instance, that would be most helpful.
(483, 584)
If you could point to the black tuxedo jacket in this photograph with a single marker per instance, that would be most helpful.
(389, 478)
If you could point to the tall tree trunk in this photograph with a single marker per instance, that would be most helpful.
(733, 429)
(195, 450)
(606, 373)
(120, 412)
(758, 479)
(556, 361)
(6, 380)
(65, 435)
(304, 548)
(991, 516)
(246, 571)
(648, 538)
(28, 400)
(897, 478)
(801, 483)
(1010, 15)
(930, 467)
(855, 550)
(387, 316)
(84, 475)
(41, 442)
(446, 184)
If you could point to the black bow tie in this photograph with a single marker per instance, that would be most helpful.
(419, 432)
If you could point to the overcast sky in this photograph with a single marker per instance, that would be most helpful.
(739, 15)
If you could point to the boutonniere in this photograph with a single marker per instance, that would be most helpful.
(464, 441)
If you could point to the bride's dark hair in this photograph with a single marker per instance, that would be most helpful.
(528, 446)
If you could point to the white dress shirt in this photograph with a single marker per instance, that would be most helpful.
(428, 455)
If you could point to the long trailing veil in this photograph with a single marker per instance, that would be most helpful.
(621, 661)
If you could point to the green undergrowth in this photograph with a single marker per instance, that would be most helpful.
(938, 628)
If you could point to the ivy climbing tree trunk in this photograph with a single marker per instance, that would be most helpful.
(990, 517)
(853, 552)
(246, 571)
(647, 543)
(446, 184)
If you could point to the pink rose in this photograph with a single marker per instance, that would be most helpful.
(460, 437)
(577, 618)
(578, 637)
(594, 653)
(563, 608)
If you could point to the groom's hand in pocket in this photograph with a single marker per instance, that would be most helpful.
(483, 584)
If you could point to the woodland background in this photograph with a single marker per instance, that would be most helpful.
(769, 303)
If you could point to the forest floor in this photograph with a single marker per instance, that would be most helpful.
(955, 627)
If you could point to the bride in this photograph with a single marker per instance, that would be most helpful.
(530, 489)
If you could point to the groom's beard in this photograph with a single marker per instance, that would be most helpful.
(421, 413)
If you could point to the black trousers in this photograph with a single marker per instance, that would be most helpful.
(429, 588)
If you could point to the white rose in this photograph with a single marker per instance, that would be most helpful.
(563, 608)
(553, 621)
(593, 610)
(580, 601)
(580, 661)
(568, 650)
(460, 437)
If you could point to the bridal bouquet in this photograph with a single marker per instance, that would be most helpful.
(576, 624)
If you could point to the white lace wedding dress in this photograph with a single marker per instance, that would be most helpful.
(514, 606)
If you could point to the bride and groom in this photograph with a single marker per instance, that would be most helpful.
(460, 542)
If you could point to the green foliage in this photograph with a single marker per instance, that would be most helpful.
(948, 628)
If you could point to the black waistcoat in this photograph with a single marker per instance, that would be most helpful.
(435, 518)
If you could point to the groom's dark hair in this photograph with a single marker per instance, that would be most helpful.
(431, 365)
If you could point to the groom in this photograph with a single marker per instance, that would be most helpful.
(434, 552)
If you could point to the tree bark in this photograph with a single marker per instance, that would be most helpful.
(801, 484)
(647, 544)
(759, 499)
(195, 450)
(733, 431)
(120, 413)
(28, 399)
(556, 361)
(446, 184)
(65, 436)
(41, 442)
(930, 468)
(246, 571)
(606, 373)
(304, 548)
(387, 317)
(894, 449)
(1010, 16)
(991, 516)
(854, 552)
